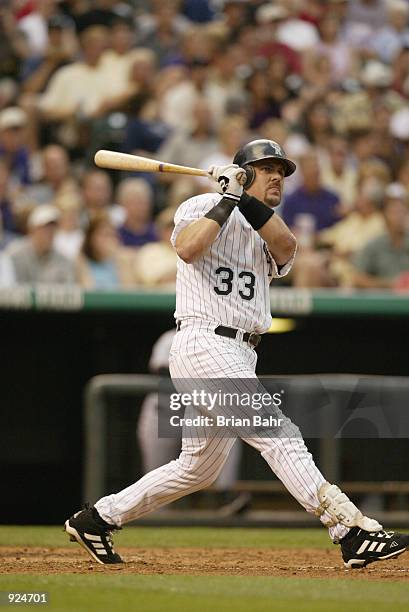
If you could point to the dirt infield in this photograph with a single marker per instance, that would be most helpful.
(311, 563)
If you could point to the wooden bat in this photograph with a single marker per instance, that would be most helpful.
(123, 161)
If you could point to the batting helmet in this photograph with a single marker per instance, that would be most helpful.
(261, 149)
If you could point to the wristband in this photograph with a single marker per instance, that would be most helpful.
(222, 211)
(256, 213)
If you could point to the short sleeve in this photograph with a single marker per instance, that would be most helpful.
(192, 210)
(284, 269)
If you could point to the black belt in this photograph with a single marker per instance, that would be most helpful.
(230, 332)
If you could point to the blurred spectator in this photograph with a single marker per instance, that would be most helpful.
(100, 264)
(7, 276)
(362, 224)
(264, 106)
(311, 207)
(297, 33)
(383, 260)
(34, 25)
(162, 29)
(79, 88)
(392, 37)
(96, 192)
(60, 50)
(7, 218)
(332, 46)
(155, 263)
(364, 17)
(179, 101)
(13, 152)
(317, 123)
(231, 135)
(69, 236)
(135, 197)
(337, 171)
(57, 183)
(269, 17)
(189, 148)
(34, 258)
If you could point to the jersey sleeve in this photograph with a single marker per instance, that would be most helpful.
(192, 210)
(283, 270)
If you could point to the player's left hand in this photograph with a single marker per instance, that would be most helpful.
(230, 178)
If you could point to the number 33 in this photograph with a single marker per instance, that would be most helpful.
(225, 282)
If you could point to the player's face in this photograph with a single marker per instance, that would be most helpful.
(269, 181)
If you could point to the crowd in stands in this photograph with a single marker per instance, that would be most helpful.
(190, 81)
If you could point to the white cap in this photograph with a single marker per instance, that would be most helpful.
(396, 191)
(376, 74)
(12, 117)
(42, 215)
(399, 124)
(267, 13)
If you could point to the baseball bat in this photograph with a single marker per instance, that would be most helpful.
(115, 160)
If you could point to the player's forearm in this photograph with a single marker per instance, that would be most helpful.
(280, 240)
(196, 239)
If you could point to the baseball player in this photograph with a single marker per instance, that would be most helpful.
(230, 245)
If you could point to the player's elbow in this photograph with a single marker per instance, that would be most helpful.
(187, 252)
(285, 247)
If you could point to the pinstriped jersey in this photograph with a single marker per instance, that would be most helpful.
(228, 285)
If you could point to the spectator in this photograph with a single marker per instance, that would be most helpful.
(56, 184)
(270, 17)
(394, 35)
(189, 148)
(79, 88)
(7, 217)
(69, 236)
(7, 276)
(96, 192)
(34, 258)
(162, 30)
(264, 106)
(100, 265)
(363, 223)
(311, 202)
(34, 25)
(383, 260)
(60, 50)
(231, 134)
(155, 262)
(135, 197)
(13, 152)
(337, 171)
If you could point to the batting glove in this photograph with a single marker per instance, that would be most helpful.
(229, 179)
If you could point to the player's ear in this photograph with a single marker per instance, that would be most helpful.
(251, 175)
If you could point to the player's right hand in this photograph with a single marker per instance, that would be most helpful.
(230, 178)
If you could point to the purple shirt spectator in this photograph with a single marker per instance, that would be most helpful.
(19, 165)
(321, 204)
(132, 239)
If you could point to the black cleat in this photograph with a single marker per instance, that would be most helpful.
(359, 547)
(94, 534)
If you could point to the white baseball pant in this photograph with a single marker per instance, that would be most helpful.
(198, 353)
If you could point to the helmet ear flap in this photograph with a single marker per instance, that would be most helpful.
(251, 175)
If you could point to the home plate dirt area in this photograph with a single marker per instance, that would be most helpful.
(194, 561)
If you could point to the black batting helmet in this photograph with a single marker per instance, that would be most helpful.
(261, 149)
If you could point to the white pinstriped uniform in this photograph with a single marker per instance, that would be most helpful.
(228, 286)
